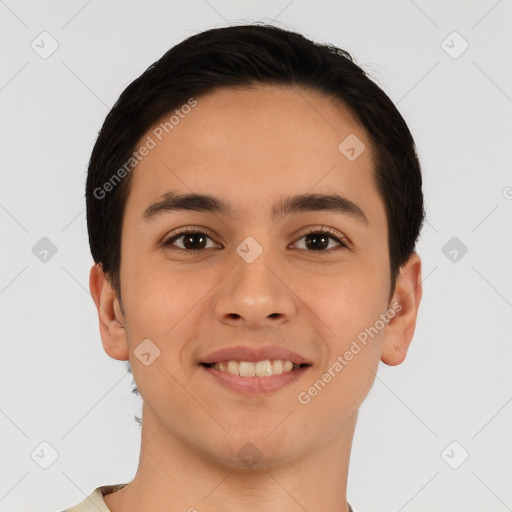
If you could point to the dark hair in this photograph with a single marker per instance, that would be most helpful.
(245, 55)
(242, 56)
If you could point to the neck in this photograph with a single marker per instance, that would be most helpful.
(173, 474)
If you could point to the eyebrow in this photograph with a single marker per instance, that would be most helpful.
(335, 203)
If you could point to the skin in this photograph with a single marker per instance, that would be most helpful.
(252, 146)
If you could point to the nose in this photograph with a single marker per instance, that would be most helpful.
(255, 295)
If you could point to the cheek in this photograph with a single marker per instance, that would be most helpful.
(159, 306)
(347, 306)
(347, 299)
(156, 299)
(168, 305)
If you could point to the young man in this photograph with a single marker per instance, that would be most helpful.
(253, 205)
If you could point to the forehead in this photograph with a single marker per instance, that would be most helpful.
(253, 146)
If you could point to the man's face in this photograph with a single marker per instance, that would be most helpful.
(251, 278)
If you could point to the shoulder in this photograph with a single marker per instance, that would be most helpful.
(94, 502)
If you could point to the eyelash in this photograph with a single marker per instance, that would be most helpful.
(320, 231)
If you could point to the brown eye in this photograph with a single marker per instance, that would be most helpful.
(319, 240)
(191, 240)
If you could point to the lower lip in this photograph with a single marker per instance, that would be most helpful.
(256, 385)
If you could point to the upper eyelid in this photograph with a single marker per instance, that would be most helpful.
(186, 230)
(343, 240)
(330, 231)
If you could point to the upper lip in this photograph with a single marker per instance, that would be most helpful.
(253, 354)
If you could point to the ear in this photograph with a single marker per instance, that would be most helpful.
(407, 296)
(112, 331)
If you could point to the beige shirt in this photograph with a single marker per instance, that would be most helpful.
(95, 502)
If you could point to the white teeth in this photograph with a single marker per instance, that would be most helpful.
(233, 368)
(247, 369)
(277, 367)
(287, 366)
(264, 368)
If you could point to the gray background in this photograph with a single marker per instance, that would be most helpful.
(57, 384)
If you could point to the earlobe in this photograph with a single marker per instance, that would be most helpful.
(111, 319)
(400, 329)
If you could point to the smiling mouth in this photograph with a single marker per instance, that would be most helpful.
(265, 368)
